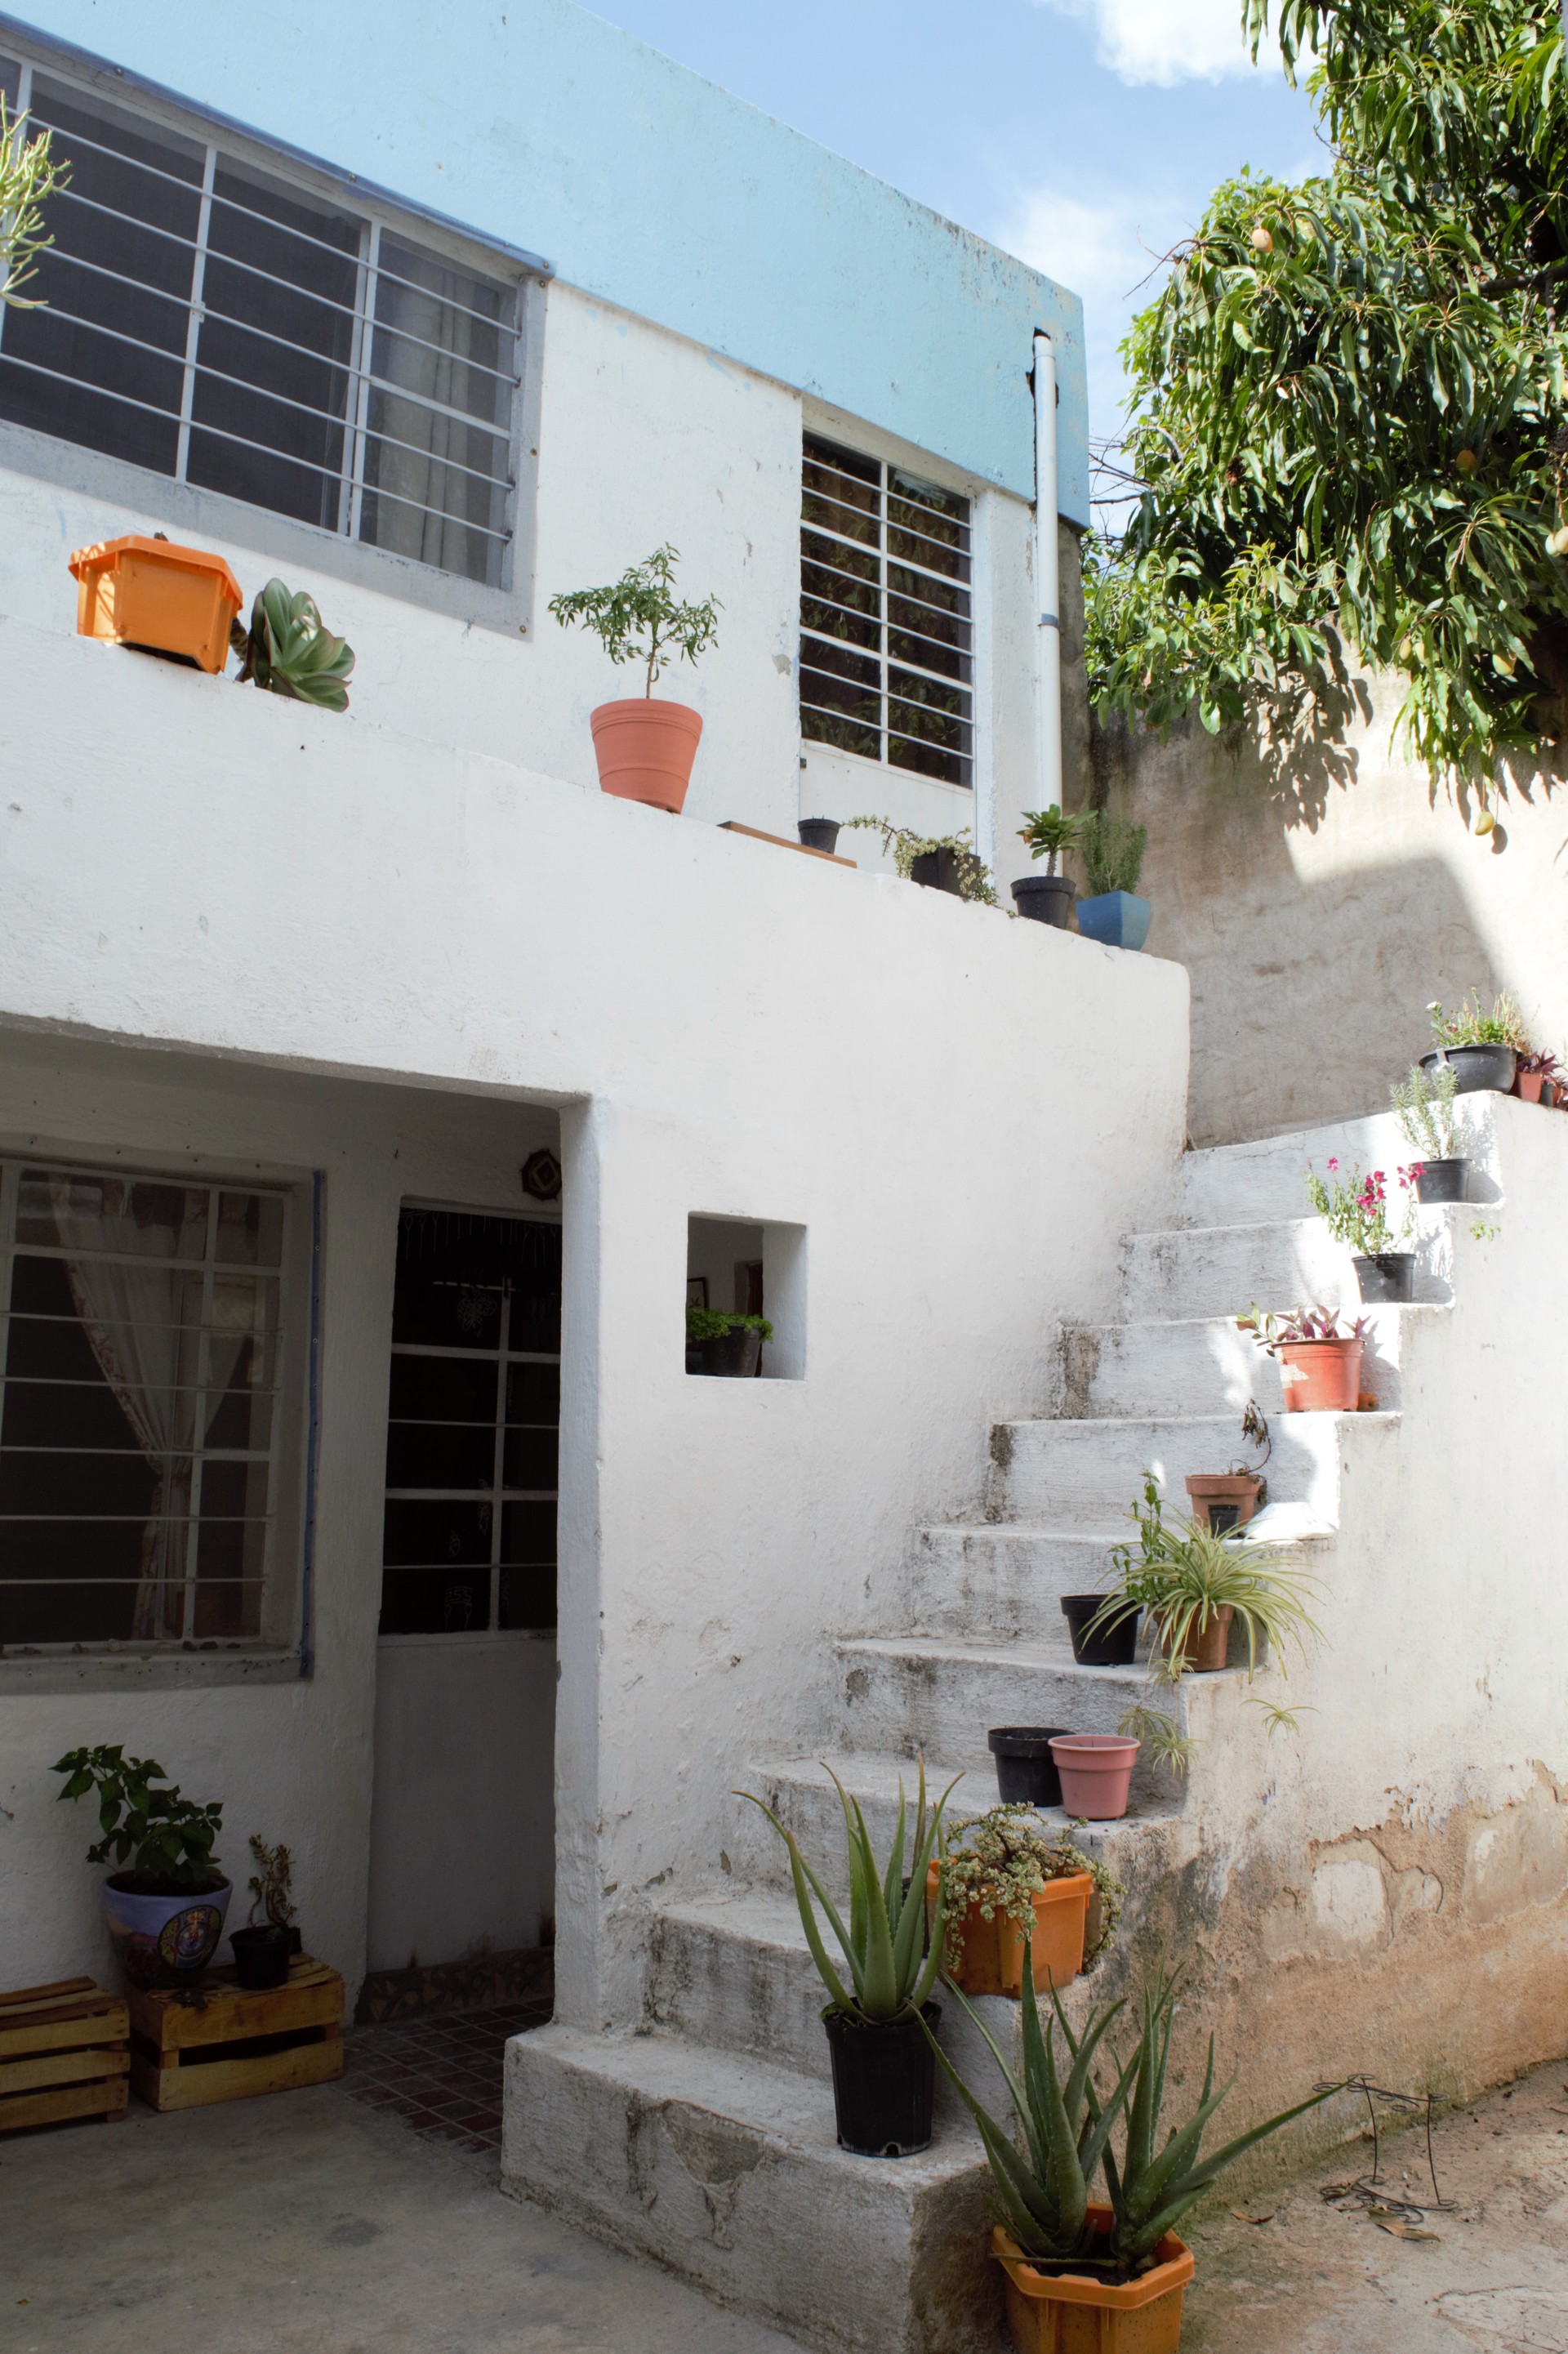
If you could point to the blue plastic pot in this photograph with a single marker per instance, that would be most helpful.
(1117, 919)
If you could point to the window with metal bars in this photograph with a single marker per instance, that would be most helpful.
(142, 1408)
(471, 1435)
(886, 616)
(226, 327)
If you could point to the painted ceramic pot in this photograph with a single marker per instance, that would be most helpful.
(167, 1938)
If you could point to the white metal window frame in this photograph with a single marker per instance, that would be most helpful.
(216, 515)
(282, 1598)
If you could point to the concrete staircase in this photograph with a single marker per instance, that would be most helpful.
(706, 2140)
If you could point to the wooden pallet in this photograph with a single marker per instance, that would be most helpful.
(63, 2053)
(223, 2042)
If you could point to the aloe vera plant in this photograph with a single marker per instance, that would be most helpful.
(890, 1971)
(288, 649)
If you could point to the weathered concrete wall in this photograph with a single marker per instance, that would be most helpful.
(1322, 895)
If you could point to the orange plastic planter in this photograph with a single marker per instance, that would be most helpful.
(1320, 1376)
(992, 1958)
(1068, 2313)
(148, 592)
(645, 749)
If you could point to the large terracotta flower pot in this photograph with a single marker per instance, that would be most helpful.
(1224, 1500)
(645, 749)
(165, 1937)
(1096, 1773)
(150, 593)
(1072, 2313)
(1320, 1376)
(992, 1958)
(1205, 1647)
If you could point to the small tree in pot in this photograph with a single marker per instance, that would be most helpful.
(262, 1948)
(1047, 898)
(166, 1904)
(644, 747)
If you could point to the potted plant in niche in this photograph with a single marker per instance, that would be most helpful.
(166, 1904)
(883, 2077)
(288, 650)
(728, 1345)
(1111, 850)
(262, 1950)
(1423, 1106)
(1192, 1583)
(1319, 1356)
(1355, 1211)
(1080, 2273)
(1481, 1049)
(644, 747)
(1047, 898)
(1227, 1499)
(1011, 1886)
(941, 861)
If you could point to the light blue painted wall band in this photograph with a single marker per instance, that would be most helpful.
(537, 125)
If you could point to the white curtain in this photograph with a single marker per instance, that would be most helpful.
(429, 358)
(143, 1321)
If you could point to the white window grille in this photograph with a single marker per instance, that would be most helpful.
(143, 1419)
(228, 327)
(887, 615)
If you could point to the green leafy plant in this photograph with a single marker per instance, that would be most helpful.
(1424, 1104)
(1047, 832)
(906, 846)
(1347, 402)
(638, 617)
(290, 651)
(1042, 2181)
(890, 1972)
(1158, 1732)
(1473, 1025)
(1183, 1575)
(273, 1882)
(1111, 849)
(159, 1836)
(28, 177)
(1355, 1209)
(714, 1324)
(1001, 1860)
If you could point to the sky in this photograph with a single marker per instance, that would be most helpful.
(1084, 135)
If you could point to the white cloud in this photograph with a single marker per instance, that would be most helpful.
(1167, 41)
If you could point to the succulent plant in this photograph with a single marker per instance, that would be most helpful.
(288, 649)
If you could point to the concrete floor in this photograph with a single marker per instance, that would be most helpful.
(313, 2224)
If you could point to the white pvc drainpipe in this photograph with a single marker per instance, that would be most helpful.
(1046, 578)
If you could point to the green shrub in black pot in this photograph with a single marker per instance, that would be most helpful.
(730, 1346)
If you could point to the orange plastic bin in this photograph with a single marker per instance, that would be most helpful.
(150, 593)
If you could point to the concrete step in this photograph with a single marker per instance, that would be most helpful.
(1207, 1367)
(1000, 1579)
(1265, 1179)
(1084, 1476)
(1189, 1271)
(725, 2168)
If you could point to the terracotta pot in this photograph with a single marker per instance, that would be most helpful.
(645, 748)
(150, 593)
(1236, 1493)
(1070, 2313)
(1096, 1773)
(1320, 1376)
(165, 1937)
(1206, 1646)
(1527, 1085)
(992, 1958)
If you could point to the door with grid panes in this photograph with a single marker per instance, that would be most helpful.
(463, 1835)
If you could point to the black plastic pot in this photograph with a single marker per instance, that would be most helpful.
(1388, 1277)
(735, 1355)
(1025, 1770)
(262, 1956)
(1111, 1647)
(885, 2079)
(818, 833)
(1476, 1068)
(1048, 899)
(937, 870)
(1442, 1181)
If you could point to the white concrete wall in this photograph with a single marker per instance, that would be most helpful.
(290, 1759)
(1322, 894)
(961, 1110)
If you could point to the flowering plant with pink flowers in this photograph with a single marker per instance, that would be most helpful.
(1356, 1209)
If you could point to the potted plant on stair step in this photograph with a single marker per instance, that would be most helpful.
(1111, 850)
(166, 1904)
(1193, 1585)
(883, 2077)
(1423, 1106)
(1012, 1885)
(1084, 2275)
(1319, 1356)
(644, 747)
(1227, 1499)
(1482, 1049)
(1355, 1209)
(1047, 898)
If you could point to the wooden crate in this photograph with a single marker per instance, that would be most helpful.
(63, 2053)
(223, 2042)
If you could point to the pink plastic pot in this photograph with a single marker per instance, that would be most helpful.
(1096, 1773)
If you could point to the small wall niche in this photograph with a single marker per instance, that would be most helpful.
(744, 1267)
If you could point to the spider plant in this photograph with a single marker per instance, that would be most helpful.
(884, 1948)
(1184, 1576)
